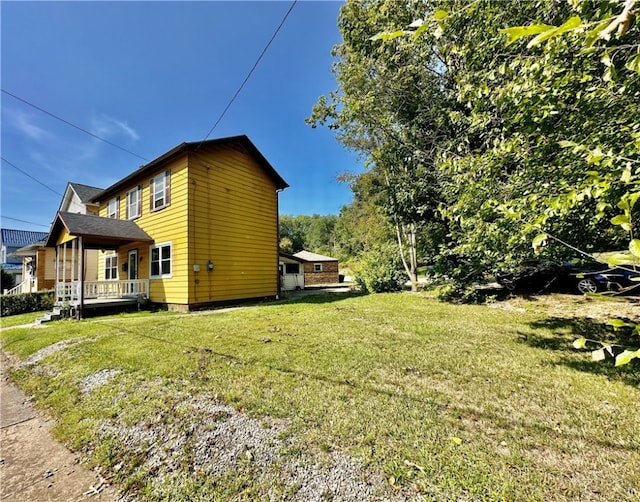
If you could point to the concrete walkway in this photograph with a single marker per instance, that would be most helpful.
(33, 466)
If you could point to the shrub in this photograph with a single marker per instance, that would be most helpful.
(7, 281)
(456, 292)
(26, 302)
(380, 271)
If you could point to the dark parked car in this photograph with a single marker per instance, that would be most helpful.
(610, 279)
(582, 277)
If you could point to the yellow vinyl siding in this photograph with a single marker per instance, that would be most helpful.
(223, 208)
(168, 224)
(64, 237)
(232, 219)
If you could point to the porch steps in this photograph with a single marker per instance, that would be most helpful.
(55, 315)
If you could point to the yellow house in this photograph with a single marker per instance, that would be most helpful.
(196, 226)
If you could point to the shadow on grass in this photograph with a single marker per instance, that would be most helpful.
(316, 297)
(558, 334)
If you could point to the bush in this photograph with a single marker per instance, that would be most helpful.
(380, 271)
(26, 302)
(459, 293)
(7, 281)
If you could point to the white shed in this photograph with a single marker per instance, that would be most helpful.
(291, 269)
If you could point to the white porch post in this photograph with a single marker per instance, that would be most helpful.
(81, 276)
(73, 260)
(57, 271)
(64, 263)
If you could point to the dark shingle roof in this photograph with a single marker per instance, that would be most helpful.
(97, 231)
(237, 141)
(85, 192)
(20, 238)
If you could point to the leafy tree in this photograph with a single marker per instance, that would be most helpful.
(362, 225)
(388, 108)
(312, 233)
(486, 129)
(286, 245)
(609, 32)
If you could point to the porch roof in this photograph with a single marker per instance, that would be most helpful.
(30, 250)
(97, 232)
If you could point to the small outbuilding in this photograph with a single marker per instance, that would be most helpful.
(291, 272)
(318, 269)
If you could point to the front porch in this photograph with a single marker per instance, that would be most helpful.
(73, 235)
(96, 292)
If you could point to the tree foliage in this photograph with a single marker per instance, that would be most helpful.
(494, 138)
(312, 233)
(387, 108)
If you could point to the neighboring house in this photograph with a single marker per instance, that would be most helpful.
(291, 272)
(38, 263)
(319, 269)
(10, 241)
(77, 198)
(196, 226)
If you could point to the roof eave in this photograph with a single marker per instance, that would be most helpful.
(279, 182)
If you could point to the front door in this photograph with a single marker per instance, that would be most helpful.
(132, 269)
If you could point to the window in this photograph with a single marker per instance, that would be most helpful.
(160, 261)
(134, 203)
(292, 268)
(111, 267)
(112, 208)
(160, 190)
(317, 267)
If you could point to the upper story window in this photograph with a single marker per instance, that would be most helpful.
(317, 267)
(160, 191)
(134, 203)
(113, 208)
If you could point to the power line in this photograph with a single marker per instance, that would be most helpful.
(29, 176)
(81, 206)
(255, 65)
(25, 221)
(74, 126)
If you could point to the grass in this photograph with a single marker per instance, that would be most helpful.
(17, 320)
(450, 401)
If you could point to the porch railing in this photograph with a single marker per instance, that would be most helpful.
(26, 286)
(70, 291)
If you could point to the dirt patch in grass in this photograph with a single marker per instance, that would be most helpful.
(210, 440)
(597, 308)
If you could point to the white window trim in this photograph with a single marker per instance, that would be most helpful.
(317, 267)
(137, 205)
(109, 257)
(165, 176)
(161, 275)
(115, 202)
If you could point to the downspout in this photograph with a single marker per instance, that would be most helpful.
(279, 293)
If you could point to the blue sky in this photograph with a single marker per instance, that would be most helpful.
(148, 76)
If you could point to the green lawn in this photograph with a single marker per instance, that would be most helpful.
(17, 320)
(453, 402)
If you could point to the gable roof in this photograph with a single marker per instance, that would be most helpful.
(242, 141)
(85, 192)
(308, 256)
(291, 257)
(20, 238)
(97, 232)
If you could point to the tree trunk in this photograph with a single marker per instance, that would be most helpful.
(407, 243)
